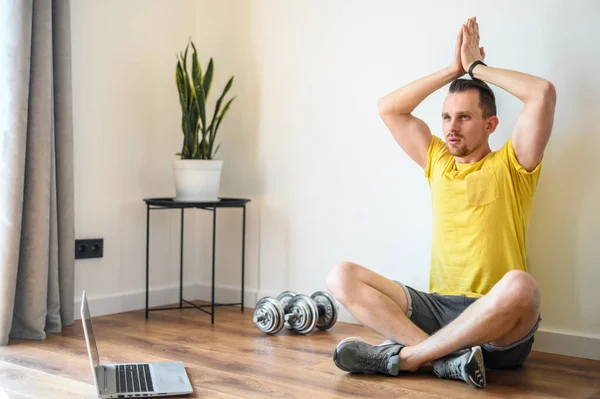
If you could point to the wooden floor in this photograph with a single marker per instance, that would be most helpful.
(233, 359)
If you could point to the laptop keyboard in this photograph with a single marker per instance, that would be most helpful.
(134, 378)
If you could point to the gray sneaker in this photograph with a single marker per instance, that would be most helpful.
(466, 365)
(356, 356)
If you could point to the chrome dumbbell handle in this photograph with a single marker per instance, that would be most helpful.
(290, 317)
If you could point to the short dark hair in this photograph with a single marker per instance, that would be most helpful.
(487, 99)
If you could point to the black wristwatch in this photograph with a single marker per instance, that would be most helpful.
(473, 65)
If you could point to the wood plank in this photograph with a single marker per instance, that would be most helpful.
(38, 384)
(233, 359)
(34, 355)
(322, 343)
(278, 378)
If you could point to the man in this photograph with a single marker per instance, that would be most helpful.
(483, 307)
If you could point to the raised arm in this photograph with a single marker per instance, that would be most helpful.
(534, 124)
(411, 133)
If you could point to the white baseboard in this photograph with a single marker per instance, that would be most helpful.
(135, 300)
(562, 343)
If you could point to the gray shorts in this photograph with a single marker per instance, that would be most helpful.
(430, 312)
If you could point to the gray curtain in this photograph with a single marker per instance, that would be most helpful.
(36, 169)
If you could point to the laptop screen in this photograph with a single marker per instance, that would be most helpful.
(90, 331)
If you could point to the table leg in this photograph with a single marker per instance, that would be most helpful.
(147, 253)
(212, 316)
(181, 264)
(243, 252)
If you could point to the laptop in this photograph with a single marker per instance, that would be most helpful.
(127, 380)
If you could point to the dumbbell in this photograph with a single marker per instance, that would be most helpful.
(296, 312)
(303, 314)
(269, 313)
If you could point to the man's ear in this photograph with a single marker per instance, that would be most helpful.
(491, 124)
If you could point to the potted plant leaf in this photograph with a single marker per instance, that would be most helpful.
(196, 172)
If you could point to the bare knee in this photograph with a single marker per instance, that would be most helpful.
(341, 278)
(519, 292)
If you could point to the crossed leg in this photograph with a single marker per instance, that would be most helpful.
(503, 316)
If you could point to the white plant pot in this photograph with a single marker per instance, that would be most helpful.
(197, 180)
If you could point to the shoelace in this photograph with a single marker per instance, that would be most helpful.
(452, 368)
(375, 361)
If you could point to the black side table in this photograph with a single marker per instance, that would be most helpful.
(172, 203)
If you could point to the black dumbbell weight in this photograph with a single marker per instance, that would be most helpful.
(328, 309)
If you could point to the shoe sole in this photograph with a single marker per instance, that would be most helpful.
(476, 366)
(335, 352)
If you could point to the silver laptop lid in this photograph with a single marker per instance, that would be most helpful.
(90, 338)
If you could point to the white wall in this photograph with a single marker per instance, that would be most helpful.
(219, 34)
(127, 129)
(304, 141)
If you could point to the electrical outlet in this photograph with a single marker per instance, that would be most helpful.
(89, 248)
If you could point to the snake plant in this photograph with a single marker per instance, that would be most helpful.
(199, 133)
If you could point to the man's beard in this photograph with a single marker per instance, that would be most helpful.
(459, 151)
(463, 149)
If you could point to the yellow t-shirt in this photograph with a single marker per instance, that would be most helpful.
(480, 216)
